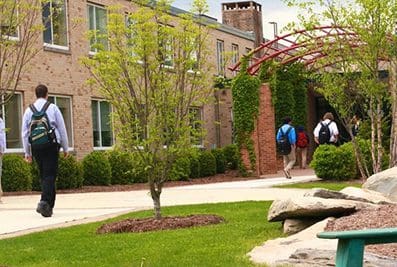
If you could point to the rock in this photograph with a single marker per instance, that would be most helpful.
(309, 207)
(350, 193)
(384, 182)
(293, 226)
(366, 195)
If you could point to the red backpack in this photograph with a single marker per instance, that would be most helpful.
(302, 140)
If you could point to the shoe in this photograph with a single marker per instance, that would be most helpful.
(287, 174)
(44, 209)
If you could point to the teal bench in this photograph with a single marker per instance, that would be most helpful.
(350, 251)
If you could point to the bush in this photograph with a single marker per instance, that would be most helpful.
(232, 156)
(70, 173)
(96, 169)
(207, 163)
(195, 166)
(220, 160)
(180, 170)
(334, 163)
(365, 147)
(34, 168)
(17, 174)
(122, 165)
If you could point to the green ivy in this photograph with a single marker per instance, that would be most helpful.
(245, 91)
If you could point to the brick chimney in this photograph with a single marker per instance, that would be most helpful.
(246, 16)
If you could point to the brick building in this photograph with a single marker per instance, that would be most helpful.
(84, 109)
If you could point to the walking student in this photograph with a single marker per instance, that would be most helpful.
(2, 150)
(302, 143)
(43, 133)
(286, 139)
(326, 131)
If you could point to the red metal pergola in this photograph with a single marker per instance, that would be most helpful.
(307, 46)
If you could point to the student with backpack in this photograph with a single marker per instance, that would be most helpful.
(43, 132)
(302, 143)
(326, 131)
(286, 139)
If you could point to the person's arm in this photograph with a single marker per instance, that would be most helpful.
(25, 135)
(60, 123)
(316, 132)
(335, 131)
(292, 137)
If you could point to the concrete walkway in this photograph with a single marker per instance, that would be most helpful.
(18, 215)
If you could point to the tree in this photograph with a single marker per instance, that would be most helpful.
(20, 29)
(153, 74)
(371, 23)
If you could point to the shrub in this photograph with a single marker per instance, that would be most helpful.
(365, 147)
(36, 186)
(220, 160)
(231, 156)
(70, 173)
(122, 165)
(180, 170)
(334, 163)
(96, 169)
(195, 166)
(17, 174)
(207, 163)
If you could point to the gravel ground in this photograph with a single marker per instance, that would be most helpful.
(382, 217)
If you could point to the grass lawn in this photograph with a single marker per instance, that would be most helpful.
(331, 185)
(224, 244)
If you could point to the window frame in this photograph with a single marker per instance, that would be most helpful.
(220, 58)
(201, 112)
(3, 111)
(98, 100)
(91, 52)
(55, 96)
(235, 55)
(52, 45)
(11, 37)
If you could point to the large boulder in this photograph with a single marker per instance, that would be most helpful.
(312, 207)
(293, 226)
(384, 182)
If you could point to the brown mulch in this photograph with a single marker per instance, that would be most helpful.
(381, 217)
(166, 223)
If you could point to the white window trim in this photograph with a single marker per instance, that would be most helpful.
(99, 126)
(14, 150)
(71, 115)
(90, 52)
(62, 47)
(220, 59)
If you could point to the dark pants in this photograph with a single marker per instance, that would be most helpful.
(47, 161)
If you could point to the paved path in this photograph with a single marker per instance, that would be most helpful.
(18, 215)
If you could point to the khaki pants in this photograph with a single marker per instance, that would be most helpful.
(289, 160)
(302, 156)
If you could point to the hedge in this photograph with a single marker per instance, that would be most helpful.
(17, 174)
(96, 168)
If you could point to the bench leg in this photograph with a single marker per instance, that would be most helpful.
(350, 253)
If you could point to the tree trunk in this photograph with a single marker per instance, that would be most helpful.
(155, 193)
(379, 137)
(373, 133)
(362, 167)
(393, 94)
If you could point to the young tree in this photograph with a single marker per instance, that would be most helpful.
(20, 29)
(153, 74)
(372, 23)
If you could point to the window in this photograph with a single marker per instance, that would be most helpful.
(235, 56)
(97, 20)
(196, 125)
(9, 19)
(65, 106)
(220, 57)
(12, 115)
(55, 23)
(101, 123)
(166, 46)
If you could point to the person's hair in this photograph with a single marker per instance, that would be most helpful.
(287, 120)
(329, 116)
(41, 91)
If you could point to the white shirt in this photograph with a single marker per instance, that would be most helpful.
(2, 136)
(56, 121)
(333, 129)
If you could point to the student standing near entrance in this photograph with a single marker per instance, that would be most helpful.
(302, 143)
(286, 136)
(326, 131)
(44, 147)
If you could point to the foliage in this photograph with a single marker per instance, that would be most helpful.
(245, 92)
(207, 164)
(96, 169)
(70, 173)
(34, 168)
(156, 71)
(195, 166)
(225, 244)
(232, 156)
(122, 165)
(335, 186)
(180, 170)
(16, 174)
(220, 160)
(334, 163)
(221, 82)
(365, 147)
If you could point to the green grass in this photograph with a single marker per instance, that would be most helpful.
(224, 244)
(331, 185)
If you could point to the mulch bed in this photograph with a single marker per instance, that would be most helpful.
(383, 216)
(166, 223)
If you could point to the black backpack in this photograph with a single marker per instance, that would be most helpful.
(283, 144)
(41, 135)
(324, 134)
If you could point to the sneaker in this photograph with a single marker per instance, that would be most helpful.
(44, 209)
(286, 173)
